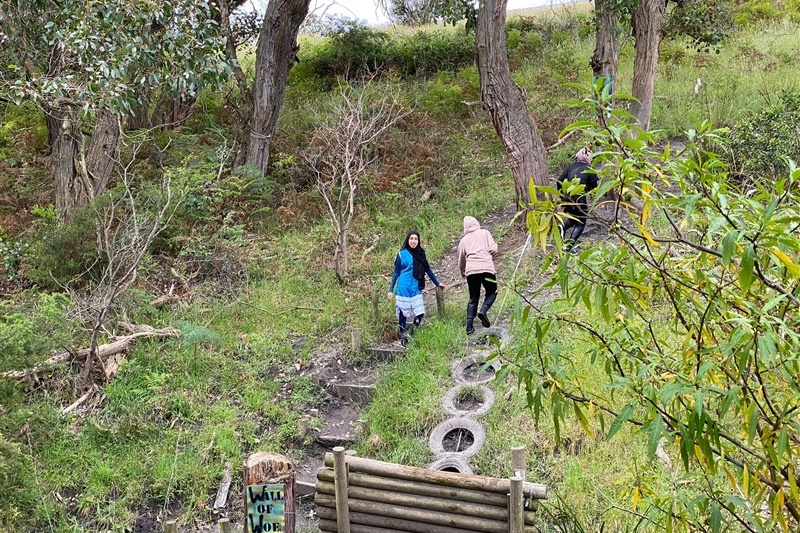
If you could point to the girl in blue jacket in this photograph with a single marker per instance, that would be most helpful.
(410, 268)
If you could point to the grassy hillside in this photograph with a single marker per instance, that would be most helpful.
(250, 260)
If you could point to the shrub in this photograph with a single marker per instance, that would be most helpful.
(29, 332)
(60, 253)
(11, 253)
(754, 11)
(352, 51)
(761, 143)
(426, 53)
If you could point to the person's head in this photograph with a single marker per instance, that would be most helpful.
(471, 224)
(412, 240)
(584, 155)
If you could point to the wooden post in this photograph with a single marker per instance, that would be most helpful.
(518, 461)
(355, 341)
(376, 298)
(224, 525)
(515, 519)
(440, 300)
(171, 526)
(340, 484)
(269, 498)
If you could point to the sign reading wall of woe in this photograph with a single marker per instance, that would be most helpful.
(266, 508)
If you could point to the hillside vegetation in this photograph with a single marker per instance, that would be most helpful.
(245, 271)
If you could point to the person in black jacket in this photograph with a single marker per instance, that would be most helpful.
(575, 206)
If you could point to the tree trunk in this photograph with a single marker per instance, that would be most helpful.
(505, 101)
(242, 103)
(606, 49)
(648, 22)
(103, 150)
(80, 173)
(71, 191)
(275, 55)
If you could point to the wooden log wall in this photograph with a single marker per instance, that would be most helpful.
(389, 498)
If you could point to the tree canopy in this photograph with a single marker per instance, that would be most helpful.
(106, 54)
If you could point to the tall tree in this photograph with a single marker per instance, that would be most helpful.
(648, 26)
(85, 63)
(606, 49)
(276, 53)
(505, 101)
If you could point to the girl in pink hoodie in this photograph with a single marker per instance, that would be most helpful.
(476, 253)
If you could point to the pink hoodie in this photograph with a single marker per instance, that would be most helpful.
(476, 249)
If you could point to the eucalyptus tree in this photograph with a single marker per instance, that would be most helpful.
(706, 22)
(606, 50)
(86, 64)
(276, 53)
(503, 100)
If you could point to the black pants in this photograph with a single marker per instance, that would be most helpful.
(578, 211)
(474, 282)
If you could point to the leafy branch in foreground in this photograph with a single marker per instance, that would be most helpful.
(693, 315)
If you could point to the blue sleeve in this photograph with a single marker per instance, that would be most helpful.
(431, 275)
(396, 273)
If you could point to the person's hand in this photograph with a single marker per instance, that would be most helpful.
(389, 296)
(442, 286)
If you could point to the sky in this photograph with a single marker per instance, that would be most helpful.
(366, 10)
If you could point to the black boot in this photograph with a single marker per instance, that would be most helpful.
(471, 309)
(484, 312)
(483, 318)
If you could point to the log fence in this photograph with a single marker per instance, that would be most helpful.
(357, 495)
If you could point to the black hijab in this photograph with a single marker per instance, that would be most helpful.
(420, 263)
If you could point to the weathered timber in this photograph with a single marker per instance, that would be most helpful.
(329, 526)
(414, 487)
(470, 523)
(449, 479)
(385, 523)
(440, 300)
(224, 486)
(515, 510)
(340, 482)
(224, 525)
(171, 526)
(518, 461)
(430, 503)
(355, 341)
(267, 468)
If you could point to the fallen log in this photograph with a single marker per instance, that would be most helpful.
(103, 351)
(450, 479)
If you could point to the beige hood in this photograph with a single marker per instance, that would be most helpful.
(476, 249)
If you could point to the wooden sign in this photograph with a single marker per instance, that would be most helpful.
(266, 508)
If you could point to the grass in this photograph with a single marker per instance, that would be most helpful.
(179, 411)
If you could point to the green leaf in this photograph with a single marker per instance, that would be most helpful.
(746, 268)
(584, 422)
(752, 425)
(618, 422)
(715, 518)
(728, 247)
(656, 429)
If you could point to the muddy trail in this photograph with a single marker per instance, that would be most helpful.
(347, 383)
(348, 386)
